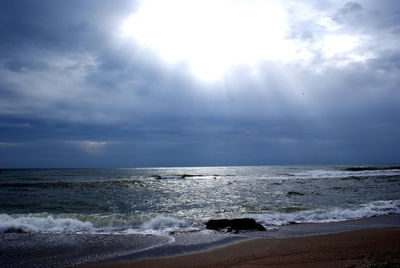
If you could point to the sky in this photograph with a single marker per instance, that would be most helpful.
(152, 83)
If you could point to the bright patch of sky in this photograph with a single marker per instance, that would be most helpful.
(211, 36)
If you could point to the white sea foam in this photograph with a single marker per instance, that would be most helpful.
(164, 222)
(323, 173)
(376, 208)
(37, 223)
(75, 223)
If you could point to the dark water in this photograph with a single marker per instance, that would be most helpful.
(159, 200)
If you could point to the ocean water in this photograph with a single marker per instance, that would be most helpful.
(169, 200)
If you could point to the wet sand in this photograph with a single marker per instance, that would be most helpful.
(360, 248)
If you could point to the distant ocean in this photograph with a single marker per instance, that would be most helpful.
(165, 200)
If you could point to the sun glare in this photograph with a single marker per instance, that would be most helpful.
(211, 37)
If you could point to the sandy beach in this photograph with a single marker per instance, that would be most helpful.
(361, 248)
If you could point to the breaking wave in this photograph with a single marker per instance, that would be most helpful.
(35, 223)
(76, 223)
(120, 223)
(162, 222)
(371, 209)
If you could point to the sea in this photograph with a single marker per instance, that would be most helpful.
(155, 207)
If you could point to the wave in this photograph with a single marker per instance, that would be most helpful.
(166, 224)
(162, 224)
(92, 184)
(69, 184)
(364, 177)
(371, 209)
(371, 168)
(94, 223)
(344, 174)
(184, 176)
(35, 223)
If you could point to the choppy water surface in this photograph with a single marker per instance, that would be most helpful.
(151, 200)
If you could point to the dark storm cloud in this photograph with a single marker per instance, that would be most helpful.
(63, 25)
(73, 93)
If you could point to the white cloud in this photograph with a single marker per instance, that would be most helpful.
(9, 144)
(91, 147)
(333, 45)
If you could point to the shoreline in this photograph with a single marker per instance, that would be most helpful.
(175, 251)
(357, 248)
(192, 243)
(113, 250)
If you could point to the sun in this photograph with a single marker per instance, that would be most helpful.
(211, 37)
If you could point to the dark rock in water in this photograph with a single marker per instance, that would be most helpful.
(294, 193)
(157, 177)
(184, 176)
(360, 168)
(15, 230)
(234, 225)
